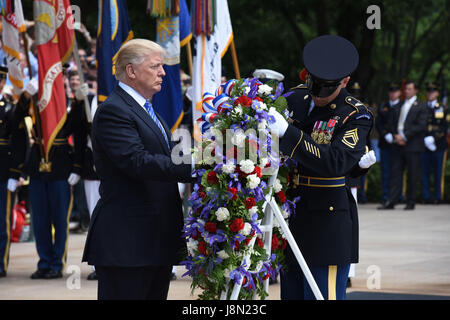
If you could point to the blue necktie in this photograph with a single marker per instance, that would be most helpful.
(151, 112)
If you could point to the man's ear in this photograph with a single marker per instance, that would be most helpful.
(345, 81)
(129, 70)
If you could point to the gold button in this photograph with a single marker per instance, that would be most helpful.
(333, 106)
(305, 97)
(331, 208)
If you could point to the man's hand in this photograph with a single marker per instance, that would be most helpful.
(430, 143)
(31, 88)
(82, 92)
(389, 138)
(399, 140)
(367, 160)
(73, 179)
(12, 184)
(280, 125)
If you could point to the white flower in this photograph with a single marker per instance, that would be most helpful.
(247, 166)
(222, 214)
(192, 246)
(263, 106)
(263, 161)
(222, 254)
(285, 214)
(253, 181)
(252, 211)
(246, 90)
(265, 89)
(238, 110)
(246, 230)
(277, 186)
(238, 138)
(228, 168)
(262, 125)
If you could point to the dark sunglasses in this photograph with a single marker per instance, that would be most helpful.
(319, 88)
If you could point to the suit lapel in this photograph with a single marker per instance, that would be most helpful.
(144, 116)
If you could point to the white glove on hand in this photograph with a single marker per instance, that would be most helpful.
(367, 160)
(32, 86)
(82, 92)
(280, 125)
(430, 143)
(12, 184)
(73, 179)
(389, 138)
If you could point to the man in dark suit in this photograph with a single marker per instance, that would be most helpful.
(135, 232)
(408, 124)
(382, 124)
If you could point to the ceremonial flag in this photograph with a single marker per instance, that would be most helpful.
(211, 24)
(114, 29)
(54, 39)
(13, 24)
(173, 32)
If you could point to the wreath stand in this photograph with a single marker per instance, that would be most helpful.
(271, 209)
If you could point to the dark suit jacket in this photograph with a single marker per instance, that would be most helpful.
(138, 219)
(415, 126)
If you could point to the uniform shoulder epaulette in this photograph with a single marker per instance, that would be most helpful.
(300, 86)
(361, 110)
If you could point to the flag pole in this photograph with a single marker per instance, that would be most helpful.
(44, 166)
(87, 108)
(235, 60)
(189, 57)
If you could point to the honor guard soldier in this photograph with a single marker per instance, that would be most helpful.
(327, 138)
(385, 138)
(50, 192)
(433, 158)
(12, 154)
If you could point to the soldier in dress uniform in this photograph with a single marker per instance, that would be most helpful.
(50, 193)
(327, 137)
(382, 125)
(432, 160)
(12, 154)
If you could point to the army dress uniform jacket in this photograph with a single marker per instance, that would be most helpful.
(382, 123)
(327, 145)
(64, 158)
(437, 125)
(12, 139)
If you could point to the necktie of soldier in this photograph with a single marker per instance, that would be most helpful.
(151, 112)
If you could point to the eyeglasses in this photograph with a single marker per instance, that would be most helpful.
(319, 88)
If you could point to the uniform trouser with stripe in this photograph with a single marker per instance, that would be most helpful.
(432, 163)
(51, 204)
(5, 231)
(331, 280)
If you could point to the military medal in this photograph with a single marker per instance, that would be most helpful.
(439, 113)
(315, 132)
(329, 130)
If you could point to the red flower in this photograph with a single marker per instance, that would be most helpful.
(275, 242)
(250, 202)
(212, 178)
(243, 101)
(283, 243)
(281, 196)
(202, 194)
(233, 191)
(237, 245)
(237, 224)
(211, 227)
(259, 243)
(202, 247)
(240, 173)
(257, 171)
(258, 98)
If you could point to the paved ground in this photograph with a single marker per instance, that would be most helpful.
(400, 252)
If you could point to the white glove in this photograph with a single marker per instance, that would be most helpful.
(82, 92)
(389, 137)
(32, 86)
(430, 143)
(12, 184)
(280, 125)
(73, 179)
(367, 160)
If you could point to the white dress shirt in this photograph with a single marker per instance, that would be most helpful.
(403, 114)
(134, 94)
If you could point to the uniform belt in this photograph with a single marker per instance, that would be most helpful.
(60, 142)
(321, 182)
(4, 142)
